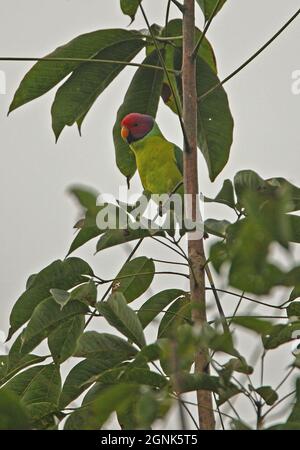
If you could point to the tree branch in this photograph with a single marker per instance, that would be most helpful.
(195, 246)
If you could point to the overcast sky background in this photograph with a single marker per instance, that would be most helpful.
(36, 213)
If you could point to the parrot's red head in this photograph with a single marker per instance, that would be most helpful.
(135, 126)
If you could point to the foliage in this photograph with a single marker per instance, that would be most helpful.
(121, 371)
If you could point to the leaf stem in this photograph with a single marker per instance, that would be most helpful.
(89, 60)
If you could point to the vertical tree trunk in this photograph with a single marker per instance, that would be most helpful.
(195, 247)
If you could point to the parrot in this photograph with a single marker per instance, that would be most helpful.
(159, 162)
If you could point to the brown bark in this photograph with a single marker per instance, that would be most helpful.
(195, 247)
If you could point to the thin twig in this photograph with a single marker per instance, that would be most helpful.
(249, 60)
(278, 403)
(89, 60)
(247, 298)
(218, 302)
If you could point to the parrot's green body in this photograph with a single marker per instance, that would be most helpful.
(159, 163)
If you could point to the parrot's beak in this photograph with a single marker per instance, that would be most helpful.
(124, 133)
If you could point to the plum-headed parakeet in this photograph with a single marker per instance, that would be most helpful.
(159, 161)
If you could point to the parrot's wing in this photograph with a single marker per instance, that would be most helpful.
(179, 158)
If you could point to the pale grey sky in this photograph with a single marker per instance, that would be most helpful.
(37, 215)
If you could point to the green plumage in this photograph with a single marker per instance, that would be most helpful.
(159, 163)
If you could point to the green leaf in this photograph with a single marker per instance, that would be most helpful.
(44, 75)
(88, 229)
(294, 192)
(294, 222)
(294, 418)
(60, 296)
(81, 376)
(225, 196)
(218, 255)
(130, 7)
(216, 227)
(208, 7)
(267, 394)
(155, 305)
(178, 313)
(188, 382)
(114, 398)
(84, 235)
(134, 278)
(142, 96)
(45, 318)
(78, 379)
(248, 180)
(215, 122)
(259, 326)
(206, 52)
(293, 309)
(118, 237)
(86, 197)
(136, 375)
(18, 360)
(294, 294)
(40, 384)
(239, 365)
(97, 345)
(12, 413)
(77, 95)
(120, 316)
(60, 275)
(63, 340)
(86, 293)
(281, 334)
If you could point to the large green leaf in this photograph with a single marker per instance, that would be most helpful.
(38, 388)
(12, 413)
(135, 278)
(120, 316)
(114, 398)
(78, 379)
(208, 7)
(142, 96)
(60, 274)
(174, 29)
(97, 345)
(46, 74)
(156, 304)
(18, 360)
(215, 122)
(46, 317)
(77, 95)
(63, 340)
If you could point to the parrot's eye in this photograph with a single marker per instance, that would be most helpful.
(135, 124)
